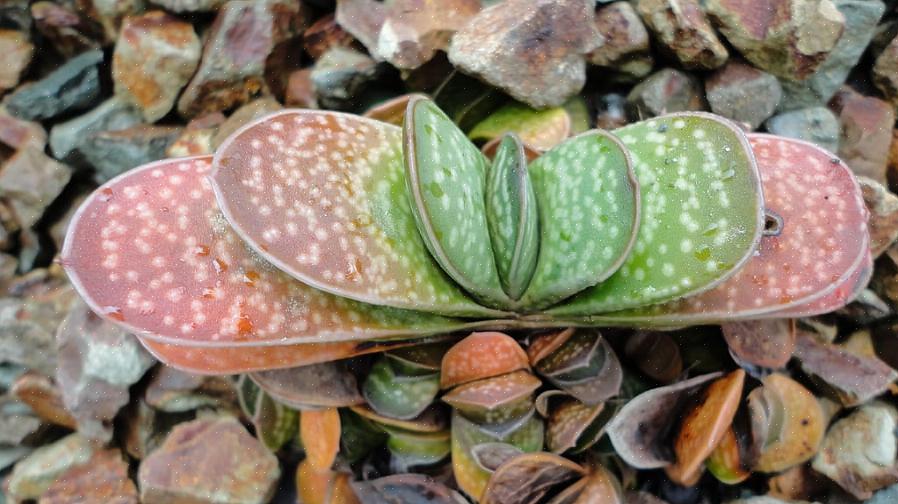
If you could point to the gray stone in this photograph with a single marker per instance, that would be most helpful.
(814, 124)
(663, 92)
(73, 86)
(98, 362)
(627, 48)
(33, 475)
(861, 17)
(113, 114)
(743, 93)
(30, 181)
(28, 329)
(885, 496)
(340, 74)
(681, 28)
(9, 455)
(17, 421)
(112, 153)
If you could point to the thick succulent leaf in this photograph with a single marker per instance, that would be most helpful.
(446, 177)
(725, 462)
(511, 215)
(392, 111)
(407, 489)
(248, 394)
(323, 487)
(844, 293)
(640, 427)
(543, 345)
(599, 486)
(431, 420)
(150, 251)
(329, 384)
(589, 205)
(526, 478)
(655, 354)
(275, 423)
(822, 243)
(567, 422)
(394, 395)
(495, 400)
(525, 435)
(319, 431)
(765, 343)
(419, 359)
(358, 436)
(857, 378)
(411, 449)
(542, 129)
(585, 366)
(323, 196)
(704, 426)
(791, 418)
(481, 355)
(702, 212)
(489, 456)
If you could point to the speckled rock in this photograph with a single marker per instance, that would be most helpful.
(73, 86)
(33, 475)
(681, 28)
(29, 327)
(155, 56)
(817, 125)
(861, 17)
(253, 110)
(30, 180)
(103, 478)
(232, 68)
(209, 460)
(17, 51)
(98, 362)
(866, 132)
(340, 74)
(113, 114)
(790, 44)
(114, 152)
(110, 13)
(532, 49)
(743, 93)
(68, 32)
(627, 48)
(883, 207)
(190, 5)
(665, 91)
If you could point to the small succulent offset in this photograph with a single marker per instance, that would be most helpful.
(312, 236)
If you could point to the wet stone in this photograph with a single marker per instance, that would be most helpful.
(791, 44)
(817, 125)
(103, 478)
(73, 86)
(17, 51)
(743, 93)
(340, 74)
(209, 460)
(627, 48)
(663, 92)
(883, 208)
(33, 475)
(866, 132)
(155, 56)
(114, 152)
(681, 29)
(532, 49)
(30, 181)
(113, 114)
(67, 31)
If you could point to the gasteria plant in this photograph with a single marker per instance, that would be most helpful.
(312, 236)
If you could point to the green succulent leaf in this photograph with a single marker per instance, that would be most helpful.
(542, 129)
(588, 201)
(397, 396)
(511, 215)
(416, 448)
(702, 212)
(275, 423)
(495, 400)
(358, 436)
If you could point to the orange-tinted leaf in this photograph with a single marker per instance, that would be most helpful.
(323, 486)
(526, 478)
(794, 419)
(329, 384)
(567, 422)
(543, 345)
(481, 355)
(320, 434)
(391, 111)
(765, 343)
(497, 399)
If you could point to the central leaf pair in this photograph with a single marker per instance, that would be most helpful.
(519, 238)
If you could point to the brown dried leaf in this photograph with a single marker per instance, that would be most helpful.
(528, 477)
(765, 343)
(329, 384)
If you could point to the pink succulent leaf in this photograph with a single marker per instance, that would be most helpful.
(151, 251)
(323, 196)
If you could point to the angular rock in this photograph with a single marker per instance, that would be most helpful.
(859, 451)
(663, 92)
(155, 56)
(883, 207)
(532, 49)
(33, 475)
(866, 132)
(817, 125)
(17, 421)
(190, 5)
(28, 328)
(743, 93)
(73, 86)
(300, 90)
(17, 134)
(67, 31)
(627, 48)
(175, 391)
(885, 72)
(247, 113)
(98, 362)
(30, 181)
(681, 28)
(237, 45)
(340, 74)
(113, 114)
(196, 139)
(112, 153)
(324, 34)
(861, 17)
(104, 478)
(788, 38)
(110, 13)
(209, 461)
(17, 51)
(43, 397)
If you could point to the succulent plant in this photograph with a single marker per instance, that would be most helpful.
(313, 236)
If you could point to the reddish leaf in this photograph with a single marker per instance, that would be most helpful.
(481, 355)
(495, 400)
(323, 487)
(767, 343)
